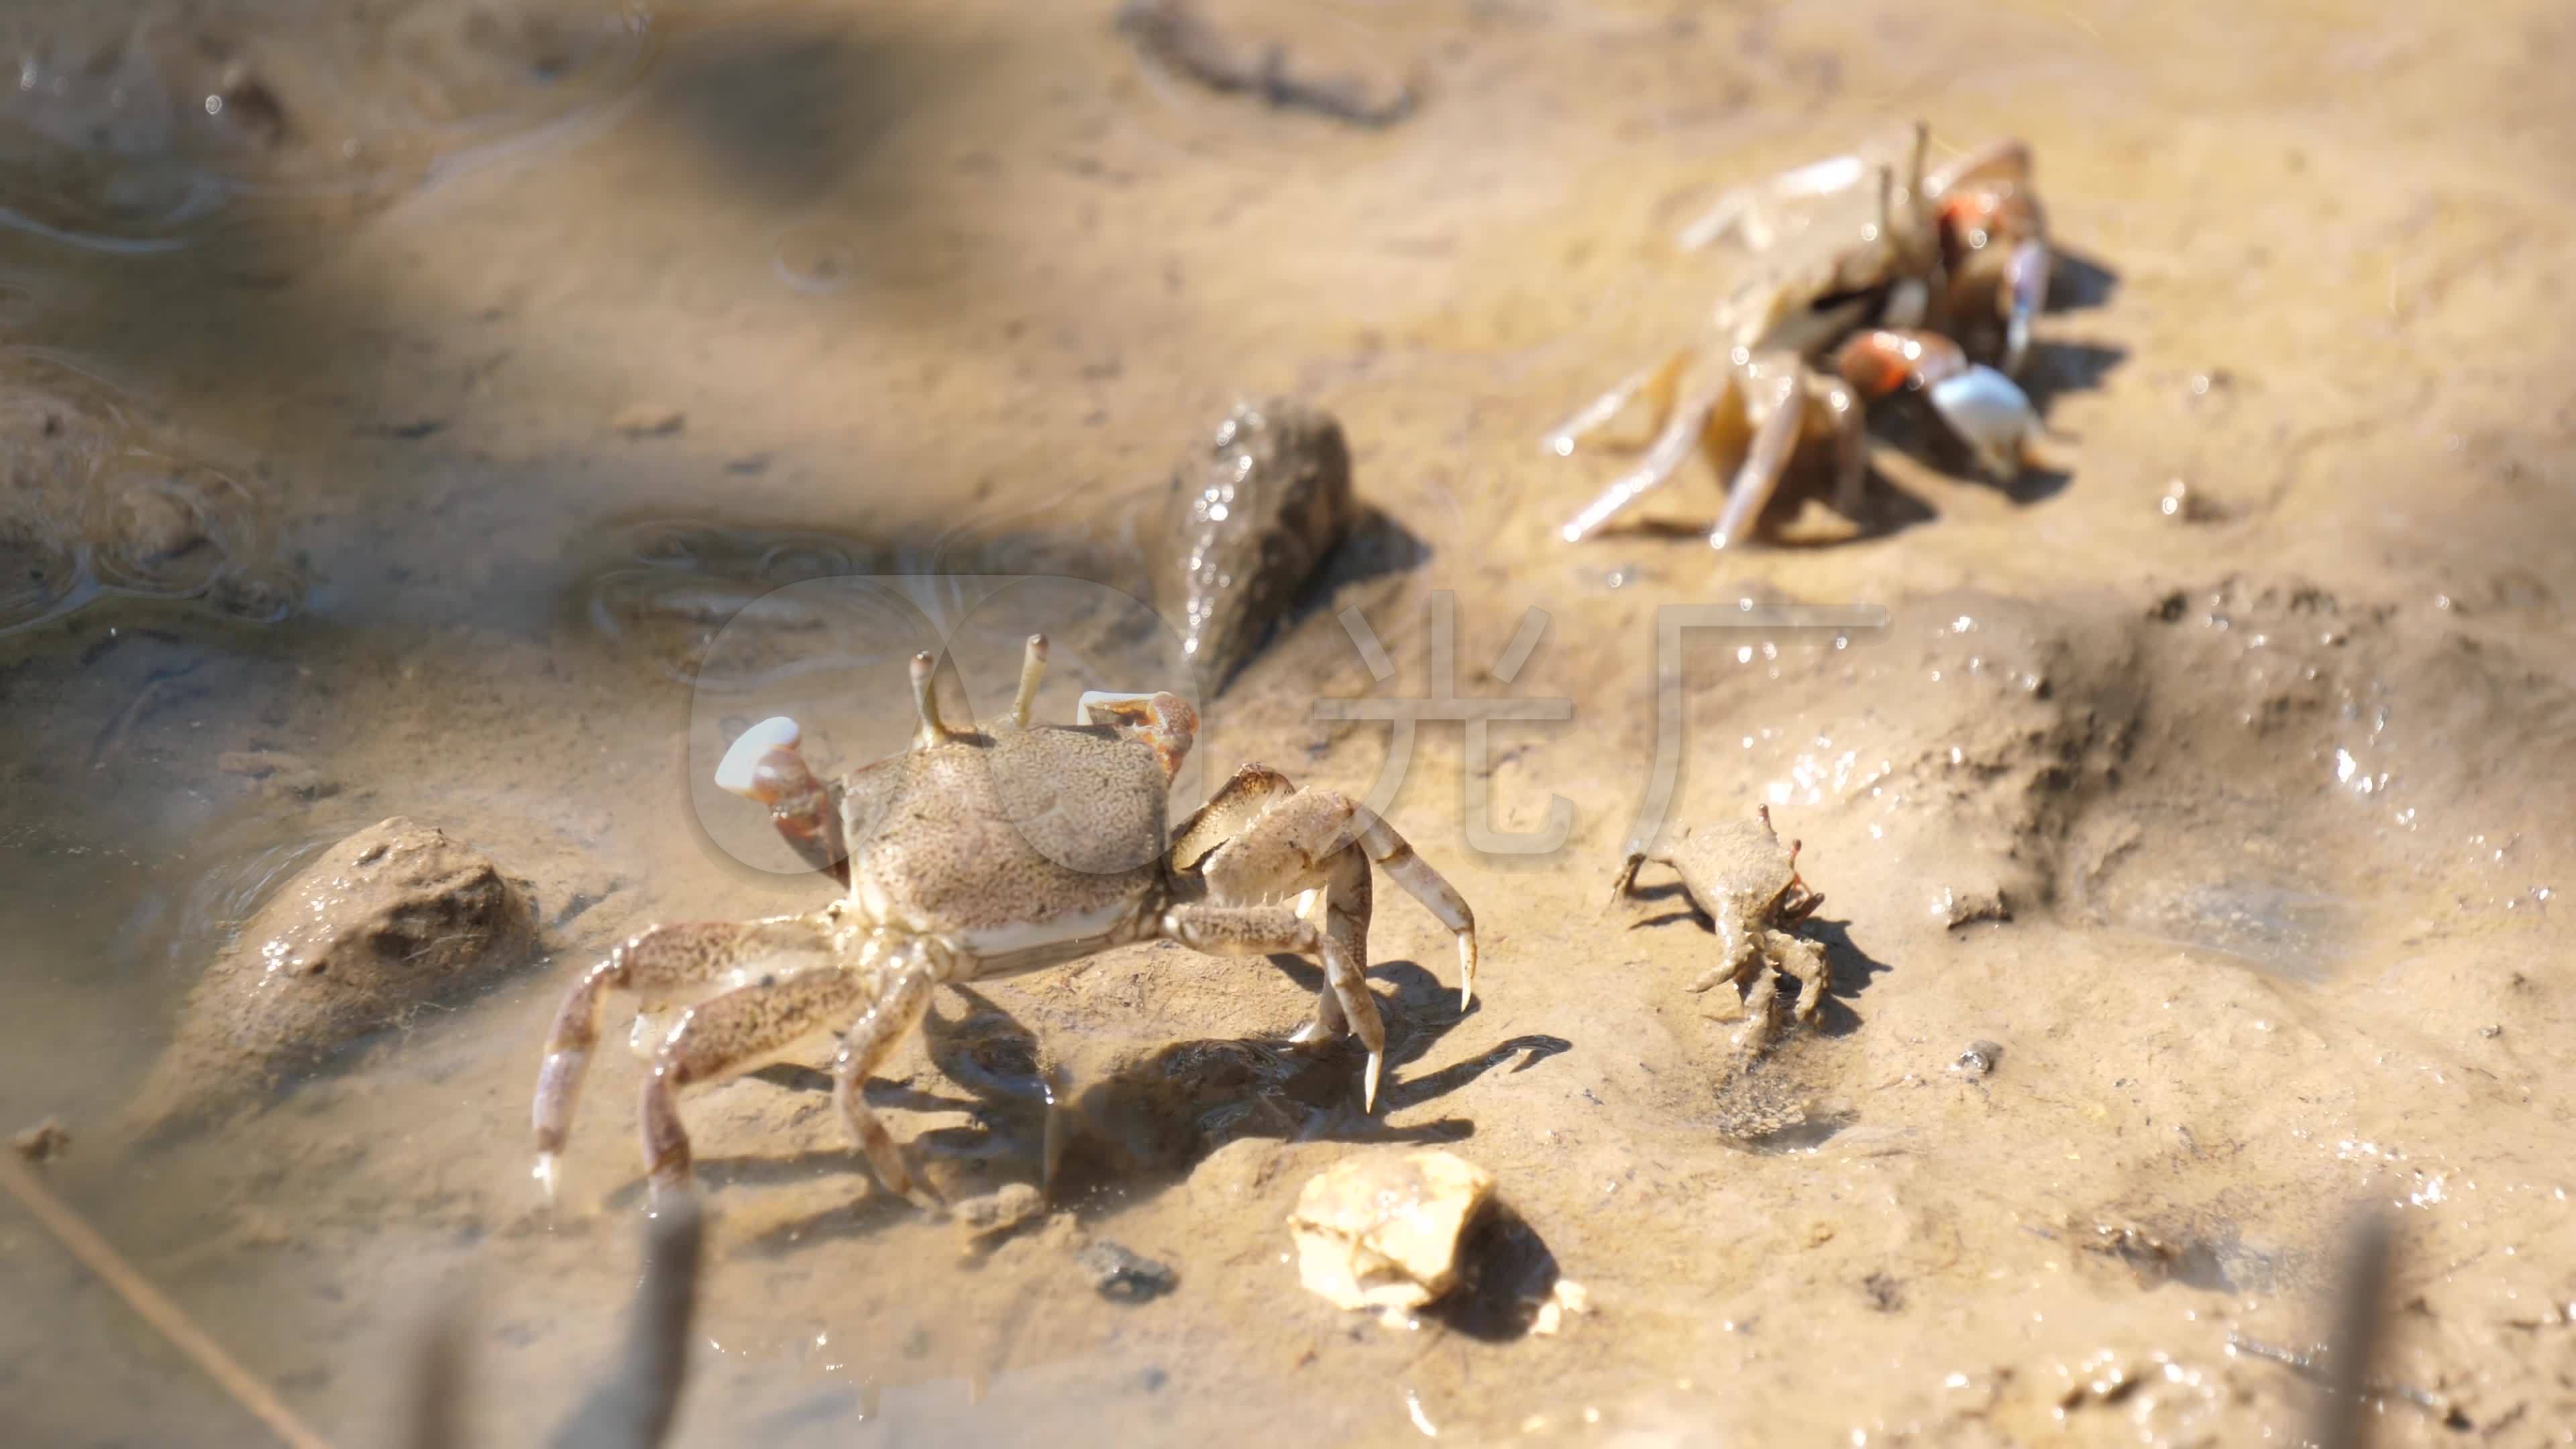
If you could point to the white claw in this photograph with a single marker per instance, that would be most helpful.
(1990, 413)
(545, 1174)
(1368, 1083)
(735, 772)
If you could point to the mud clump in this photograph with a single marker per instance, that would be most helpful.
(1250, 517)
(43, 1142)
(1383, 1230)
(1239, 48)
(1123, 1276)
(1165, 1109)
(394, 919)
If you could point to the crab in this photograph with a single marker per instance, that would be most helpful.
(1741, 877)
(982, 853)
(1862, 261)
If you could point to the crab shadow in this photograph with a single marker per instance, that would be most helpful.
(1138, 1127)
(1849, 970)
(2078, 281)
(1508, 1271)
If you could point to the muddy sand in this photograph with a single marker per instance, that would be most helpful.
(407, 436)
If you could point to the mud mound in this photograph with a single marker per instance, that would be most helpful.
(1987, 757)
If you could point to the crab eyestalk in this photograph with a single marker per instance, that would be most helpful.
(1032, 672)
(763, 765)
(925, 701)
(1986, 409)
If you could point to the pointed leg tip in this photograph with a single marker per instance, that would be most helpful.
(546, 1176)
(1368, 1084)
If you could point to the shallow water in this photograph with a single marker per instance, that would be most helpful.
(349, 440)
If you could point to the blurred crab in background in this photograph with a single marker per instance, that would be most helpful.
(1871, 275)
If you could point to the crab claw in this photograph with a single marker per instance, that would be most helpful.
(1991, 415)
(1115, 707)
(741, 772)
(1987, 410)
(763, 765)
(1164, 720)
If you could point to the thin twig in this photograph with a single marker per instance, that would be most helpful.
(633, 1407)
(2358, 1323)
(95, 1254)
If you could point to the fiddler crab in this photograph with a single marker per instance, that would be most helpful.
(982, 853)
(1749, 886)
(1868, 266)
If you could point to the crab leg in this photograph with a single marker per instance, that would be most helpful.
(1228, 813)
(2007, 161)
(1246, 865)
(1804, 960)
(684, 961)
(1260, 930)
(1851, 450)
(1394, 855)
(1761, 1012)
(1671, 448)
(892, 1014)
(744, 1029)
(1740, 208)
(1320, 823)
(1260, 839)
(1656, 381)
(1778, 402)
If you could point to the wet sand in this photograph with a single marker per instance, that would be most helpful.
(2276, 798)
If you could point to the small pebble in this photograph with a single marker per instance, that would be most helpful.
(648, 420)
(1118, 1274)
(1978, 1060)
(43, 1142)
(1000, 1211)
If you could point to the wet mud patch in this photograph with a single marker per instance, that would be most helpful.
(144, 128)
(2012, 758)
(96, 499)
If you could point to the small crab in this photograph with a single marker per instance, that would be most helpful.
(1978, 217)
(1857, 268)
(981, 853)
(1748, 885)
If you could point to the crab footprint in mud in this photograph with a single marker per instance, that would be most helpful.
(132, 133)
(96, 503)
